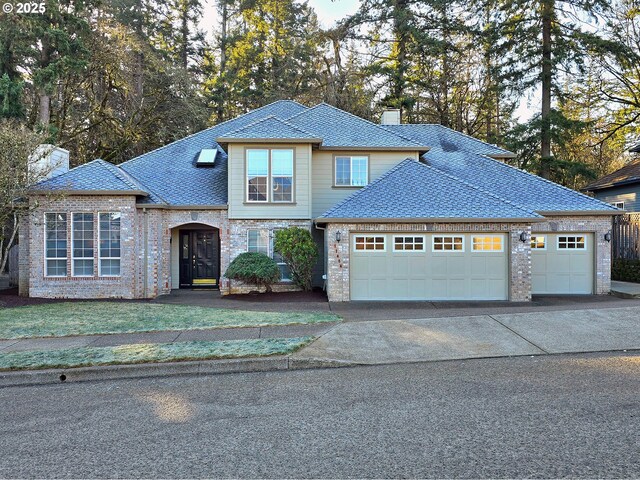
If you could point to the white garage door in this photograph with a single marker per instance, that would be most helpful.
(562, 263)
(411, 266)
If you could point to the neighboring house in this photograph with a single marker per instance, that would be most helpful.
(399, 212)
(620, 188)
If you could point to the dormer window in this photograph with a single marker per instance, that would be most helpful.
(270, 175)
(207, 157)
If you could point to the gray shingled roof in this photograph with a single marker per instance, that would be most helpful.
(528, 190)
(413, 190)
(97, 175)
(270, 127)
(627, 175)
(341, 129)
(447, 139)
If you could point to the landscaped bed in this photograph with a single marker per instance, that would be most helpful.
(150, 353)
(95, 318)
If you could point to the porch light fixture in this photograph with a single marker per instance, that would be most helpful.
(607, 236)
(523, 237)
(338, 236)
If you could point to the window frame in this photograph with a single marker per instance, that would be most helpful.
(433, 243)
(93, 257)
(351, 157)
(66, 249)
(413, 237)
(619, 205)
(546, 242)
(259, 230)
(270, 176)
(364, 235)
(100, 257)
(499, 236)
(575, 236)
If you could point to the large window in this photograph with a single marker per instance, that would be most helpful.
(352, 171)
(82, 245)
(258, 241)
(55, 244)
(270, 175)
(109, 254)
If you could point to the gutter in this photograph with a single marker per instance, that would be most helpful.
(581, 213)
(181, 207)
(133, 193)
(430, 220)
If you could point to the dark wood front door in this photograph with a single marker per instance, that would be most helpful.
(199, 258)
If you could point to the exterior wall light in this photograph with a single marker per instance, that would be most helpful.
(338, 236)
(607, 236)
(523, 237)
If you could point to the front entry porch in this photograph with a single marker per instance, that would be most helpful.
(198, 257)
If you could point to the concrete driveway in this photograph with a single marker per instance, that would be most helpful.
(508, 334)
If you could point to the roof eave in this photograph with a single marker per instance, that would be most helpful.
(430, 220)
(606, 186)
(182, 207)
(55, 191)
(409, 148)
(268, 140)
(502, 156)
(580, 213)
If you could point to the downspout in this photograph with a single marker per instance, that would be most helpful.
(324, 255)
(145, 241)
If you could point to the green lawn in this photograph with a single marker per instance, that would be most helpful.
(150, 353)
(93, 318)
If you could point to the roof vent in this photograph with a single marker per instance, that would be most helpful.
(207, 157)
(391, 117)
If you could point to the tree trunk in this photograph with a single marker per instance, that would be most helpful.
(44, 98)
(547, 71)
(184, 33)
(220, 97)
(4, 252)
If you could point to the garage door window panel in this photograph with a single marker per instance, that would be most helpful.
(487, 243)
(538, 242)
(370, 243)
(448, 243)
(408, 244)
(573, 242)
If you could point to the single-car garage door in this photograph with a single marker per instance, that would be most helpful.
(412, 266)
(562, 263)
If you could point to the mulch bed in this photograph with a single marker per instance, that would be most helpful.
(10, 298)
(315, 296)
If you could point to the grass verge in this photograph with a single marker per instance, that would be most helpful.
(150, 353)
(94, 318)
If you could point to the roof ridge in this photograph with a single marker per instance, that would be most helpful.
(359, 118)
(263, 119)
(209, 128)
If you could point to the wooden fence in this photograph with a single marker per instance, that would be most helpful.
(626, 236)
(13, 266)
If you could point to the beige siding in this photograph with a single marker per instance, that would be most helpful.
(239, 209)
(325, 195)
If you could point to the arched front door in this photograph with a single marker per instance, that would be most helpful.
(199, 258)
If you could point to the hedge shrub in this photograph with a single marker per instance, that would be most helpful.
(626, 270)
(254, 268)
(300, 253)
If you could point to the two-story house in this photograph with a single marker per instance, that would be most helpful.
(399, 212)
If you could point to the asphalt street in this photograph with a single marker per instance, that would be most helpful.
(549, 416)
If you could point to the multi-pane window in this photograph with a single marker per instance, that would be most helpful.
(257, 175)
(402, 244)
(270, 175)
(538, 242)
(55, 244)
(448, 243)
(576, 242)
(109, 255)
(258, 241)
(368, 242)
(487, 243)
(285, 271)
(352, 171)
(619, 205)
(282, 175)
(82, 244)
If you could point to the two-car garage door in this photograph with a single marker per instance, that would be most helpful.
(411, 266)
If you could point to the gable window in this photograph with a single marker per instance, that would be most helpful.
(82, 245)
(368, 242)
(538, 242)
(572, 243)
(402, 244)
(270, 175)
(109, 249)
(258, 241)
(351, 171)
(444, 243)
(55, 244)
(487, 243)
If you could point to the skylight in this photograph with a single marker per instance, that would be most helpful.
(207, 157)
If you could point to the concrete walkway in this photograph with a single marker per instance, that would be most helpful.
(428, 339)
(213, 334)
(625, 289)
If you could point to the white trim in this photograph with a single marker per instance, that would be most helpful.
(545, 241)
(433, 243)
(269, 198)
(372, 235)
(293, 171)
(571, 235)
(422, 250)
(66, 250)
(497, 235)
(619, 205)
(93, 257)
(246, 174)
(100, 258)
